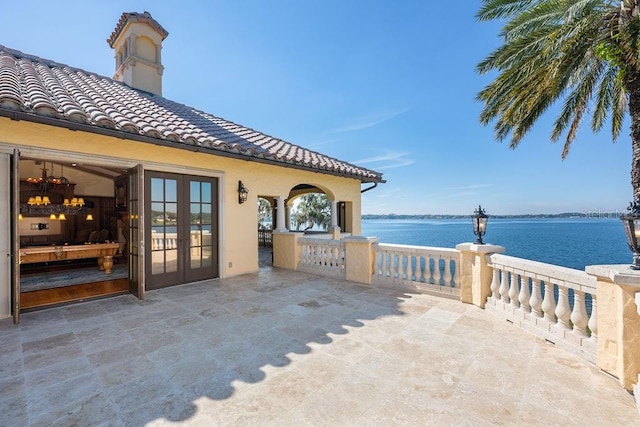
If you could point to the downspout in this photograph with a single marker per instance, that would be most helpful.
(375, 184)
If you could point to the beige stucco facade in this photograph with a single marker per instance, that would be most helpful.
(238, 240)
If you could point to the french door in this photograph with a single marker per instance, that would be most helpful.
(14, 202)
(181, 223)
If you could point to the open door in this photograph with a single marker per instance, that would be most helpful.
(136, 231)
(15, 235)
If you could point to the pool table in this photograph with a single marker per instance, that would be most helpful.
(104, 252)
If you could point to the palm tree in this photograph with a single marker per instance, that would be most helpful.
(583, 52)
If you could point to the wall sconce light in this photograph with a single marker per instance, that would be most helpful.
(62, 217)
(479, 219)
(52, 217)
(631, 222)
(89, 217)
(243, 192)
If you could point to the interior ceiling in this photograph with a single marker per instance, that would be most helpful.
(103, 171)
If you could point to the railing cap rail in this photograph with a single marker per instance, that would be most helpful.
(320, 241)
(542, 270)
(412, 248)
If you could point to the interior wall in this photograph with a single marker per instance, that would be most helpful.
(86, 184)
(39, 226)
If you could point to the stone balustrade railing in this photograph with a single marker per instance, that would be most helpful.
(418, 267)
(161, 241)
(591, 313)
(164, 241)
(322, 256)
(556, 303)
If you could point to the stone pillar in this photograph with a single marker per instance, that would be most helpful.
(618, 322)
(358, 255)
(281, 214)
(334, 214)
(286, 251)
(475, 273)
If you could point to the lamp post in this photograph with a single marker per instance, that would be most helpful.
(479, 219)
(631, 222)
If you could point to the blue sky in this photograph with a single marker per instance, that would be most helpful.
(389, 85)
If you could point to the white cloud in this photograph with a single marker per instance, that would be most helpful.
(389, 160)
(369, 121)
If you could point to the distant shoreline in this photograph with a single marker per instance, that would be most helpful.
(585, 215)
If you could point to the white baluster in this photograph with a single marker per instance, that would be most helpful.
(414, 260)
(423, 268)
(504, 286)
(396, 265)
(456, 274)
(385, 263)
(514, 291)
(593, 319)
(524, 295)
(447, 272)
(432, 269)
(536, 298)
(563, 311)
(579, 314)
(549, 303)
(495, 286)
(405, 266)
(440, 267)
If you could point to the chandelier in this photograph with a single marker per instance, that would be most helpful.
(45, 183)
(41, 204)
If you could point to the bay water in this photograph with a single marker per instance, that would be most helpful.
(568, 242)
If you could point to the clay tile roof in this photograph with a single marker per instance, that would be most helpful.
(135, 17)
(45, 91)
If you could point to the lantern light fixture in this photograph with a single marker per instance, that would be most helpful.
(631, 223)
(243, 192)
(479, 219)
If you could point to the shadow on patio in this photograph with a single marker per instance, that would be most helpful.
(286, 348)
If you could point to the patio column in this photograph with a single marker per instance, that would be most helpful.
(281, 214)
(618, 317)
(334, 214)
(475, 273)
(334, 229)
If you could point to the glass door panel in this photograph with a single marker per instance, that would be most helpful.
(163, 222)
(203, 237)
(183, 225)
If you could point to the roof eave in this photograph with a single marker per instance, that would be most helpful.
(52, 121)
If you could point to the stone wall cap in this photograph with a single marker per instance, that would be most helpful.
(621, 274)
(287, 232)
(360, 239)
(482, 249)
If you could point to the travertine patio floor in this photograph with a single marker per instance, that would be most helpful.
(290, 349)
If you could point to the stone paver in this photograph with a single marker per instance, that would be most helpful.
(290, 349)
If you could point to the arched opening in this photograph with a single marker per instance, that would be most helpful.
(266, 216)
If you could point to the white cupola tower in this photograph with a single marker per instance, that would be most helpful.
(137, 41)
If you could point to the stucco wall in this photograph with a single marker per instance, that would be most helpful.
(238, 223)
